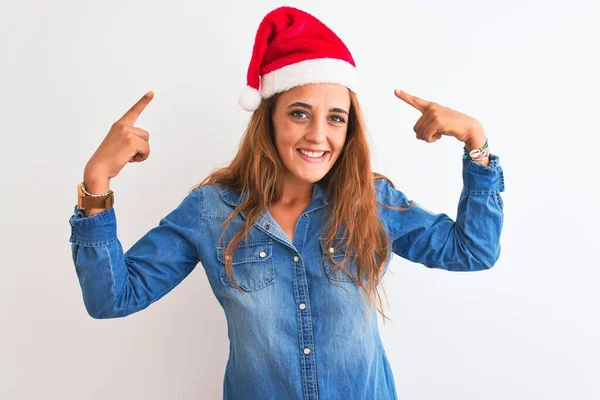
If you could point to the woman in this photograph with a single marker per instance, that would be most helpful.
(295, 234)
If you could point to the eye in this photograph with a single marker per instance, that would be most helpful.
(296, 112)
(339, 119)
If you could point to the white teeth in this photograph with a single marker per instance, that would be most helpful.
(312, 154)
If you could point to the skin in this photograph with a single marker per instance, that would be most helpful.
(319, 127)
(123, 144)
(321, 123)
(437, 120)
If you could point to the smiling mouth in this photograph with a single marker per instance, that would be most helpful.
(312, 152)
(308, 158)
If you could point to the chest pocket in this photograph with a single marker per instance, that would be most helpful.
(338, 251)
(253, 266)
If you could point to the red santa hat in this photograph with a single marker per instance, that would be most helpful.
(294, 48)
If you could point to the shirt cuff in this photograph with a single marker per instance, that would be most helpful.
(95, 230)
(483, 179)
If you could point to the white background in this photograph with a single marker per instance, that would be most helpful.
(526, 329)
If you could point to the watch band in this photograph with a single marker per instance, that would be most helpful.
(84, 201)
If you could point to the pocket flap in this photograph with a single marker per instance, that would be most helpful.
(250, 252)
(337, 249)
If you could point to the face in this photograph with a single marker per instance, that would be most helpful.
(309, 120)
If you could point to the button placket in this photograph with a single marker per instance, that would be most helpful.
(305, 325)
(308, 363)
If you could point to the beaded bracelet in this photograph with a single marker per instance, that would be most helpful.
(94, 195)
(477, 154)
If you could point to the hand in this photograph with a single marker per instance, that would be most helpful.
(124, 143)
(438, 120)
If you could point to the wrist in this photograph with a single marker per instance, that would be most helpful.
(95, 183)
(477, 149)
(94, 199)
(475, 143)
(476, 139)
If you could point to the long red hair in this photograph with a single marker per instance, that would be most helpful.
(257, 170)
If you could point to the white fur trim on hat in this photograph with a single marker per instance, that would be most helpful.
(249, 98)
(319, 70)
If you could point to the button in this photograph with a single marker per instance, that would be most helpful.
(302, 306)
(306, 350)
(267, 226)
(262, 254)
(296, 259)
(305, 215)
(331, 250)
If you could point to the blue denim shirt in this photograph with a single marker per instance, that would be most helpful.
(297, 334)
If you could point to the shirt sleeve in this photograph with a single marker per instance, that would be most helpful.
(470, 243)
(116, 283)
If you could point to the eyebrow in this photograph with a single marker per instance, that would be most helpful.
(304, 105)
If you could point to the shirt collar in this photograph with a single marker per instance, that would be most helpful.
(265, 220)
(319, 196)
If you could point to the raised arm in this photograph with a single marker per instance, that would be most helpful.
(116, 284)
(470, 243)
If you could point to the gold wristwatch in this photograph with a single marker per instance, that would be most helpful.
(85, 201)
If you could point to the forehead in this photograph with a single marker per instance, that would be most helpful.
(326, 94)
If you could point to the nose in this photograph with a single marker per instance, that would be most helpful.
(317, 132)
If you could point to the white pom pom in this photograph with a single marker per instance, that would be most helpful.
(249, 98)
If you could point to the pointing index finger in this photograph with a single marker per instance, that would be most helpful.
(134, 112)
(414, 101)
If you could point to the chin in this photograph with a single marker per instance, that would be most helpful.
(309, 178)
(312, 178)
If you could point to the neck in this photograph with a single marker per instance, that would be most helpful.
(296, 192)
